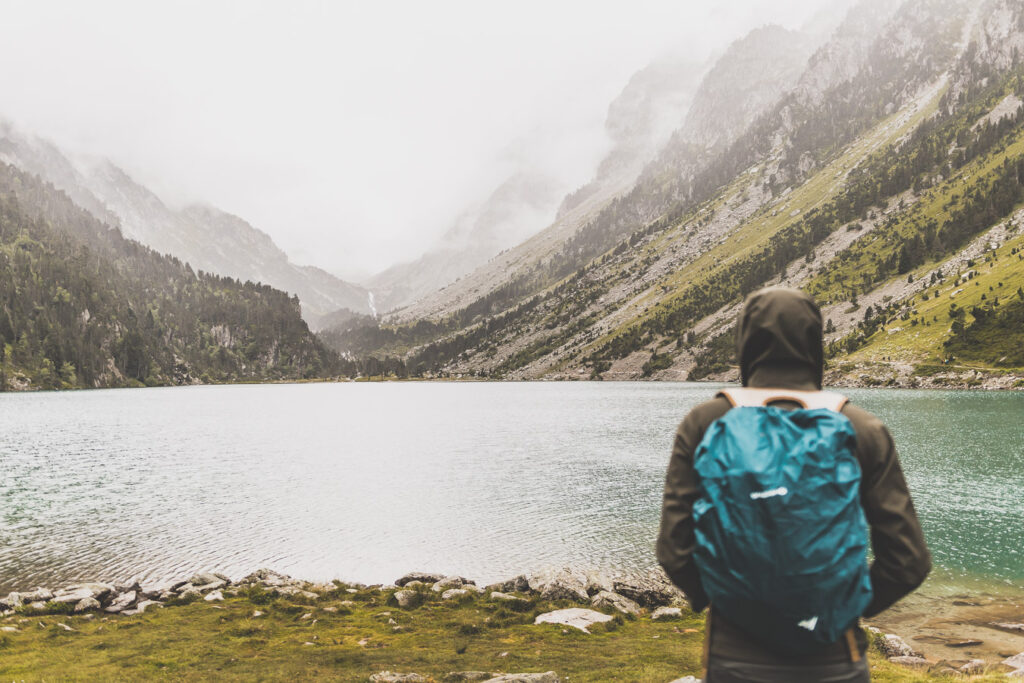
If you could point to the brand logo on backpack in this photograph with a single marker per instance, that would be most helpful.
(780, 531)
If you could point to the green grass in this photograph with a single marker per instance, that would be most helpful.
(223, 641)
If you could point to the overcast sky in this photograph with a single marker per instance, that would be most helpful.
(352, 132)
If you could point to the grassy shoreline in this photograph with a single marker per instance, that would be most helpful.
(343, 632)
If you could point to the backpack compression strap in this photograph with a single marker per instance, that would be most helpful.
(809, 400)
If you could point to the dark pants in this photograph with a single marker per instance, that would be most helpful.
(725, 671)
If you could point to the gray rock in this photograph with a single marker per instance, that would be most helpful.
(407, 598)
(99, 591)
(505, 597)
(518, 584)
(38, 605)
(415, 584)
(576, 617)
(973, 667)
(122, 602)
(292, 590)
(190, 594)
(213, 586)
(12, 601)
(1015, 662)
(419, 576)
(392, 677)
(911, 661)
(38, 595)
(214, 596)
(141, 607)
(547, 677)
(621, 603)
(132, 585)
(561, 584)
(687, 679)
(447, 582)
(894, 646)
(599, 582)
(652, 590)
(86, 604)
(453, 593)
(203, 578)
(467, 676)
(667, 614)
(12, 629)
(267, 577)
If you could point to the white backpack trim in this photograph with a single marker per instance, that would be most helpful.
(809, 400)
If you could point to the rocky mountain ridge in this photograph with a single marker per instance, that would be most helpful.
(203, 236)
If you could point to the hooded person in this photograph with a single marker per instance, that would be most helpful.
(780, 347)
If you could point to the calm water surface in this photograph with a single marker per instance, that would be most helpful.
(367, 481)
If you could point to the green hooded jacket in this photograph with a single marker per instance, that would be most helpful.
(780, 346)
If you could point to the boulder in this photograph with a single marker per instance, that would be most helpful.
(38, 595)
(1015, 662)
(122, 602)
(518, 584)
(293, 591)
(621, 603)
(911, 661)
(141, 607)
(448, 582)
(38, 605)
(561, 584)
(407, 598)
(893, 646)
(212, 586)
(686, 679)
(652, 590)
(576, 617)
(546, 677)
(100, 591)
(973, 667)
(423, 577)
(267, 577)
(505, 597)
(9, 629)
(214, 596)
(86, 604)
(667, 614)
(203, 578)
(598, 582)
(453, 593)
(132, 585)
(467, 676)
(392, 677)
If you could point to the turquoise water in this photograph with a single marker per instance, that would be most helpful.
(367, 481)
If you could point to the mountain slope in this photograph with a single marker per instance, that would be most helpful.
(638, 122)
(848, 191)
(81, 306)
(206, 238)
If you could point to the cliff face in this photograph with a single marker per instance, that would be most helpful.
(203, 236)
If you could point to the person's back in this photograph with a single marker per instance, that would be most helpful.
(779, 340)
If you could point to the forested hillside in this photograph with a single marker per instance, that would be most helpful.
(884, 182)
(81, 306)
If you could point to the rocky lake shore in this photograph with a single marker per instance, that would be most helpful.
(925, 637)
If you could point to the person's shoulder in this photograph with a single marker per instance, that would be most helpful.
(873, 436)
(862, 419)
(703, 414)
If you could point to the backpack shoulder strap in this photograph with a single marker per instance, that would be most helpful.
(809, 400)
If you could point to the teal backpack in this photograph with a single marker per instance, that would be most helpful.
(781, 536)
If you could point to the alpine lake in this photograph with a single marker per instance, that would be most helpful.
(366, 481)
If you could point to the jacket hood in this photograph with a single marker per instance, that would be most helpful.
(780, 328)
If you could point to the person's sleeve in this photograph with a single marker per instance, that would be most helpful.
(676, 539)
(902, 560)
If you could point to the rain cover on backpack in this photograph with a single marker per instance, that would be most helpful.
(781, 536)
